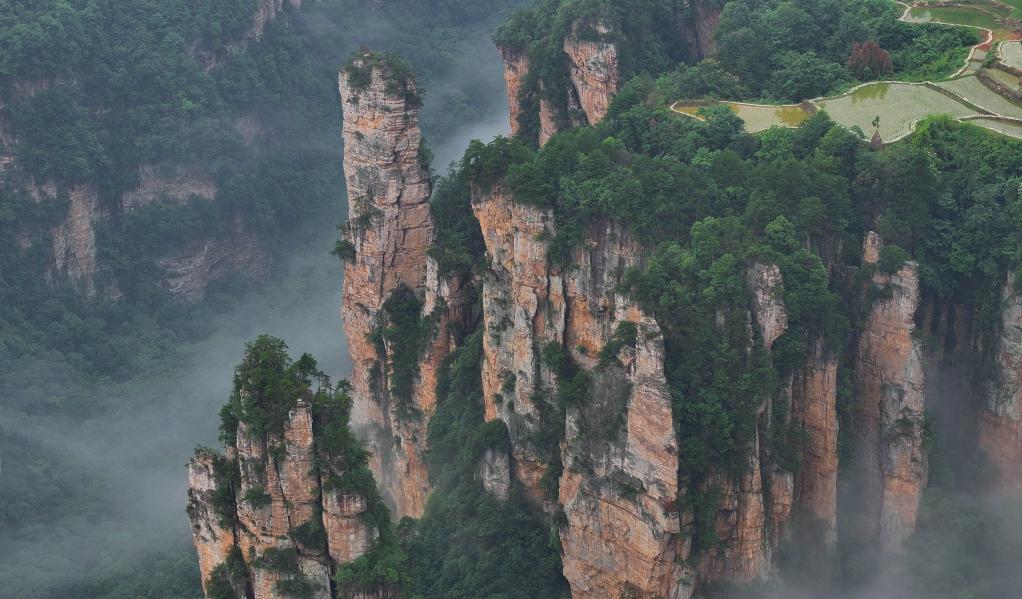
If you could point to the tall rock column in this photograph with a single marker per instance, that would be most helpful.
(890, 464)
(1000, 419)
(814, 410)
(391, 230)
(516, 68)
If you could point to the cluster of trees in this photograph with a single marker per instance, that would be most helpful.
(787, 52)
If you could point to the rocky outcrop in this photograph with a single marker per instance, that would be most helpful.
(703, 16)
(593, 68)
(516, 68)
(889, 465)
(494, 471)
(814, 412)
(390, 229)
(213, 535)
(1000, 418)
(176, 184)
(765, 286)
(266, 11)
(268, 516)
(523, 309)
(619, 487)
(188, 272)
(74, 240)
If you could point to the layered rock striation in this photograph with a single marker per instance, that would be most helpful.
(889, 466)
(389, 231)
(1000, 418)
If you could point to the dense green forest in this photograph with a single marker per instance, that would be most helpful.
(128, 84)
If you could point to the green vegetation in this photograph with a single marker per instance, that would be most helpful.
(227, 576)
(470, 544)
(398, 78)
(406, 333)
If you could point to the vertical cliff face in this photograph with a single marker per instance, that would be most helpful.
(523, 310)
(593, 70)
(390, 229)
(619, 486)
(74, 240)
(516, 68)
(701, 26)
(1000, 418)
(888, 423)
(814, 410)
(213, 536)
(754, 506)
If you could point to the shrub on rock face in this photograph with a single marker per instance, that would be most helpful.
(869, 61)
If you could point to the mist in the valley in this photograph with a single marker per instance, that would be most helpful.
(134, 457)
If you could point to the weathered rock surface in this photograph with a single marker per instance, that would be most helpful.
(765, 285)
(619, 487)
(266, 11)
(1000, 419)
(890, 463)
(176, 184)
(74, 240)
(391, 230)
(593, 69)
(516, 67)
(494, 471)
(188, 272)
(701, 28)
(814, 411)
(213, 540)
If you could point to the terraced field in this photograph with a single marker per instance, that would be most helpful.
(899, 104)
(1011, 54)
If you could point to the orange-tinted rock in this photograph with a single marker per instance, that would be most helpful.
(889, 466)
(391, 229)
(547, 121)
(523, 309)
(213, 541)
(593, 68)
(348, 536)
(619, 489)
(1000, 419)
(814, 412)
(516, 67)
(743, 554)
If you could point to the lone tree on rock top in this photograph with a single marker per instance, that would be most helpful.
(869, 61)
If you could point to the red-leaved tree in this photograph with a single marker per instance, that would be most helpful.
(870, 61)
